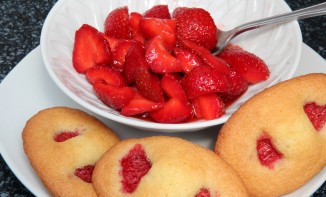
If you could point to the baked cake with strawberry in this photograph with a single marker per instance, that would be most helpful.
(276, 140)
(63, 145)
(164, 166)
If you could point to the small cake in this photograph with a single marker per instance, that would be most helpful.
(63, 145)
(276, 140)
(164, 166)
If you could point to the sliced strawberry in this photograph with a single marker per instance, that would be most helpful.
(85, 173)
(113, 42)
(203, 80)
(196, 25)
(187, 59)
(247, 64)
(316, 114)
(173, 111)
(117, 23)
(152, 27)
(238, 84)
(177, 11)
(140, 105)
(205, 55)
(267, 154)
(90, 48)
(158, 11)
(159, 58)
(134, 19)
(172, 87)
(107, 74)
(119, 53)
(112, 96)
(208, 106)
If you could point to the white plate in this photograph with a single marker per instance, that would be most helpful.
(28, 89)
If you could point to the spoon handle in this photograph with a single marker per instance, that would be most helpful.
(316, 10)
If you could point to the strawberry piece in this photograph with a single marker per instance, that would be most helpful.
(187, 59)
(173, 111)
(106, 74)
(134, 19)
(196, 25)
(177, 11)
(205, 55)
(267, 154)
(159, 58)
(113, 42)
(140, 105)
(117, 23)
(90, 48)
(112, 96)
(203, 192)
(158, 11)
(173, 88)
(134, 166)
(208, 106)
(247, 64)
(119, 53)
(203, 80)
(152, 27)
(316, 114)
(65, 135)
(85, 173)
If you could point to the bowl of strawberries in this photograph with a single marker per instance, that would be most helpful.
(148, 64)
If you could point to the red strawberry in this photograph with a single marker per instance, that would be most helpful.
(65, 135)
(140, 105)
(247, 64)
(107, 74)
(134, 20)
(173, 88)
(316, 114)
(173, 111)
(90, 48)
(112, 96)
(117, 23)
(203, 80)
(177, 11)
(134, 166)
(208, 106)
(196, 25)
(85, 173)
(159, 58)
(158, 11)
(152, 27)
(113, 42)
(238, 84)
(267, 154)
(205, 55)
(187, 59)
(119, 53)
(203, 192)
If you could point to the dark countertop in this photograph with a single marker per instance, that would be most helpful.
(20, 28)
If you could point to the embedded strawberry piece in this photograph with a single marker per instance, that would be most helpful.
(187, 59)
(112, 96)
(203, 80)
(117, 23)
(173, 111)
(316, 114)
(247, 64)
(173, 88)
(196, 25)
(140, 105)
(90, 48)
(65, 135)
(106, 74)
(205, 55)
(159, 58)
(152, 27)
(158, 11)
(119, 53)
(208, 106)
(203, 192)
(134, 166)
(267, 154)
(85, 173)
(134, 19)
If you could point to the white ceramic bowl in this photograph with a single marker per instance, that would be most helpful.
(279, 46)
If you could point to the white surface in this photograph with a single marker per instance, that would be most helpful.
(279, 46)
(28, 89)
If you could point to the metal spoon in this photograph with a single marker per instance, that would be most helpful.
(224, 37)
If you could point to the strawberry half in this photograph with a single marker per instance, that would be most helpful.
(119, 53)
(107, 74)
(196, 25)
(90, 48)
(187, 59)
(159, 58)
(158, 11)
(134, 19)
(117, 23)
(172, 87)
(253, 68)
(208, 106)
